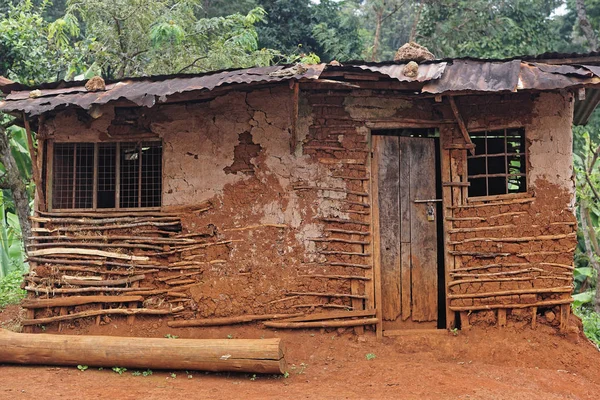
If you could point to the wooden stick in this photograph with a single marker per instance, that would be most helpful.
(86, 221)
(99, 263)
(344, 253)
(77, 301)
(345, 221)
(351, 265)
(360, 278)
(331, 315)
(522, 271)
(513, 279)
(347, 232)
(128, 272)
(461, 125)
(478, 254)
(134, 239)
(282, 300)
(93, 313)
(352, 296)
(500, 265)
(515, 239)
(337, 240)
(509, 306)
(533, 317)
(326, 305)
(330, 189)
(566, 289)
(113, 282)
(104, 227)
(102, 214)
(494, 203)
(322, 324)
(100, 253)
(227, 320)
(181, 282)
(480, 229)
(97, 245)
(37, 176)
(52, 291)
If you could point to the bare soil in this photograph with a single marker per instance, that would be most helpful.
(482, 363)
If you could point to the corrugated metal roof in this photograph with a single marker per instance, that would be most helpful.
(461, 75)
(147, 92)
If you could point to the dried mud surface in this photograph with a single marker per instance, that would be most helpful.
(483, 363)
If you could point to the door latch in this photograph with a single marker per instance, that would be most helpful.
(430, 212)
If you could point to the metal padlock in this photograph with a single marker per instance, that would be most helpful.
(430, 212)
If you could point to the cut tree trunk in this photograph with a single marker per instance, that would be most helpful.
(237, 355)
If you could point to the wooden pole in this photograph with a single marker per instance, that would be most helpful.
(238, 355)
(461, 124)
(34, 164)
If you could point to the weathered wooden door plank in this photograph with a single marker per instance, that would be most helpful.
(423, 232)
(389, 218)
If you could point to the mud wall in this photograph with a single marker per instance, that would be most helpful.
(258, 227)
(517, 253)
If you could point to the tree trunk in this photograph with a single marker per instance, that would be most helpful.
(238, 355)
(13, 181)
(585, 25)
(413, 31)
(377, 34)
(591, 247)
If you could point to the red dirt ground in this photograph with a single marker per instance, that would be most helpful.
(482, 363)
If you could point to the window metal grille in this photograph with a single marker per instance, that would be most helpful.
(107, 175)
(499, 164)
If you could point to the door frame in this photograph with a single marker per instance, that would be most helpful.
(443, 160)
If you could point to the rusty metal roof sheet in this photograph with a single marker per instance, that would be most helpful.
(426, 72)
(463, 75)
(460, 75)
(147, 92)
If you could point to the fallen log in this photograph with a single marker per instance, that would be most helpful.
(227, 320)
(77, 301)
(236, 355)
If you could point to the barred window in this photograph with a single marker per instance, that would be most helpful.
(499, 164)
(107, 175)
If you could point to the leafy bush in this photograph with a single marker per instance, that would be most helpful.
(591, 323)
(10, 288)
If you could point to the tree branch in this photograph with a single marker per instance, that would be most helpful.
(192, 64)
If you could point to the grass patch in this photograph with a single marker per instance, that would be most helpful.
(10, 288)
(591, 323)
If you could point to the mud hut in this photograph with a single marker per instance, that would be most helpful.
(308, 196)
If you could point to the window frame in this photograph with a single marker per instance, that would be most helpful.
(49, 175)
(488, 197)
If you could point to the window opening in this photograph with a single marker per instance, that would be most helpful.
(499, 163)
(107, 175)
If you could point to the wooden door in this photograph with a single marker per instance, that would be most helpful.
(404, 170)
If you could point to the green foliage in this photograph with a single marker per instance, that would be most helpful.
(119, 370)
(136, 373)
(169, 336)
(489, 28)
(370, 356)
(10, 288)
(33, 50)
(591, 323)
(82, 367)
(147, 372)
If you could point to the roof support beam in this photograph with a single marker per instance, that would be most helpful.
(461, 124)
(34, 163)
(295, 110)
